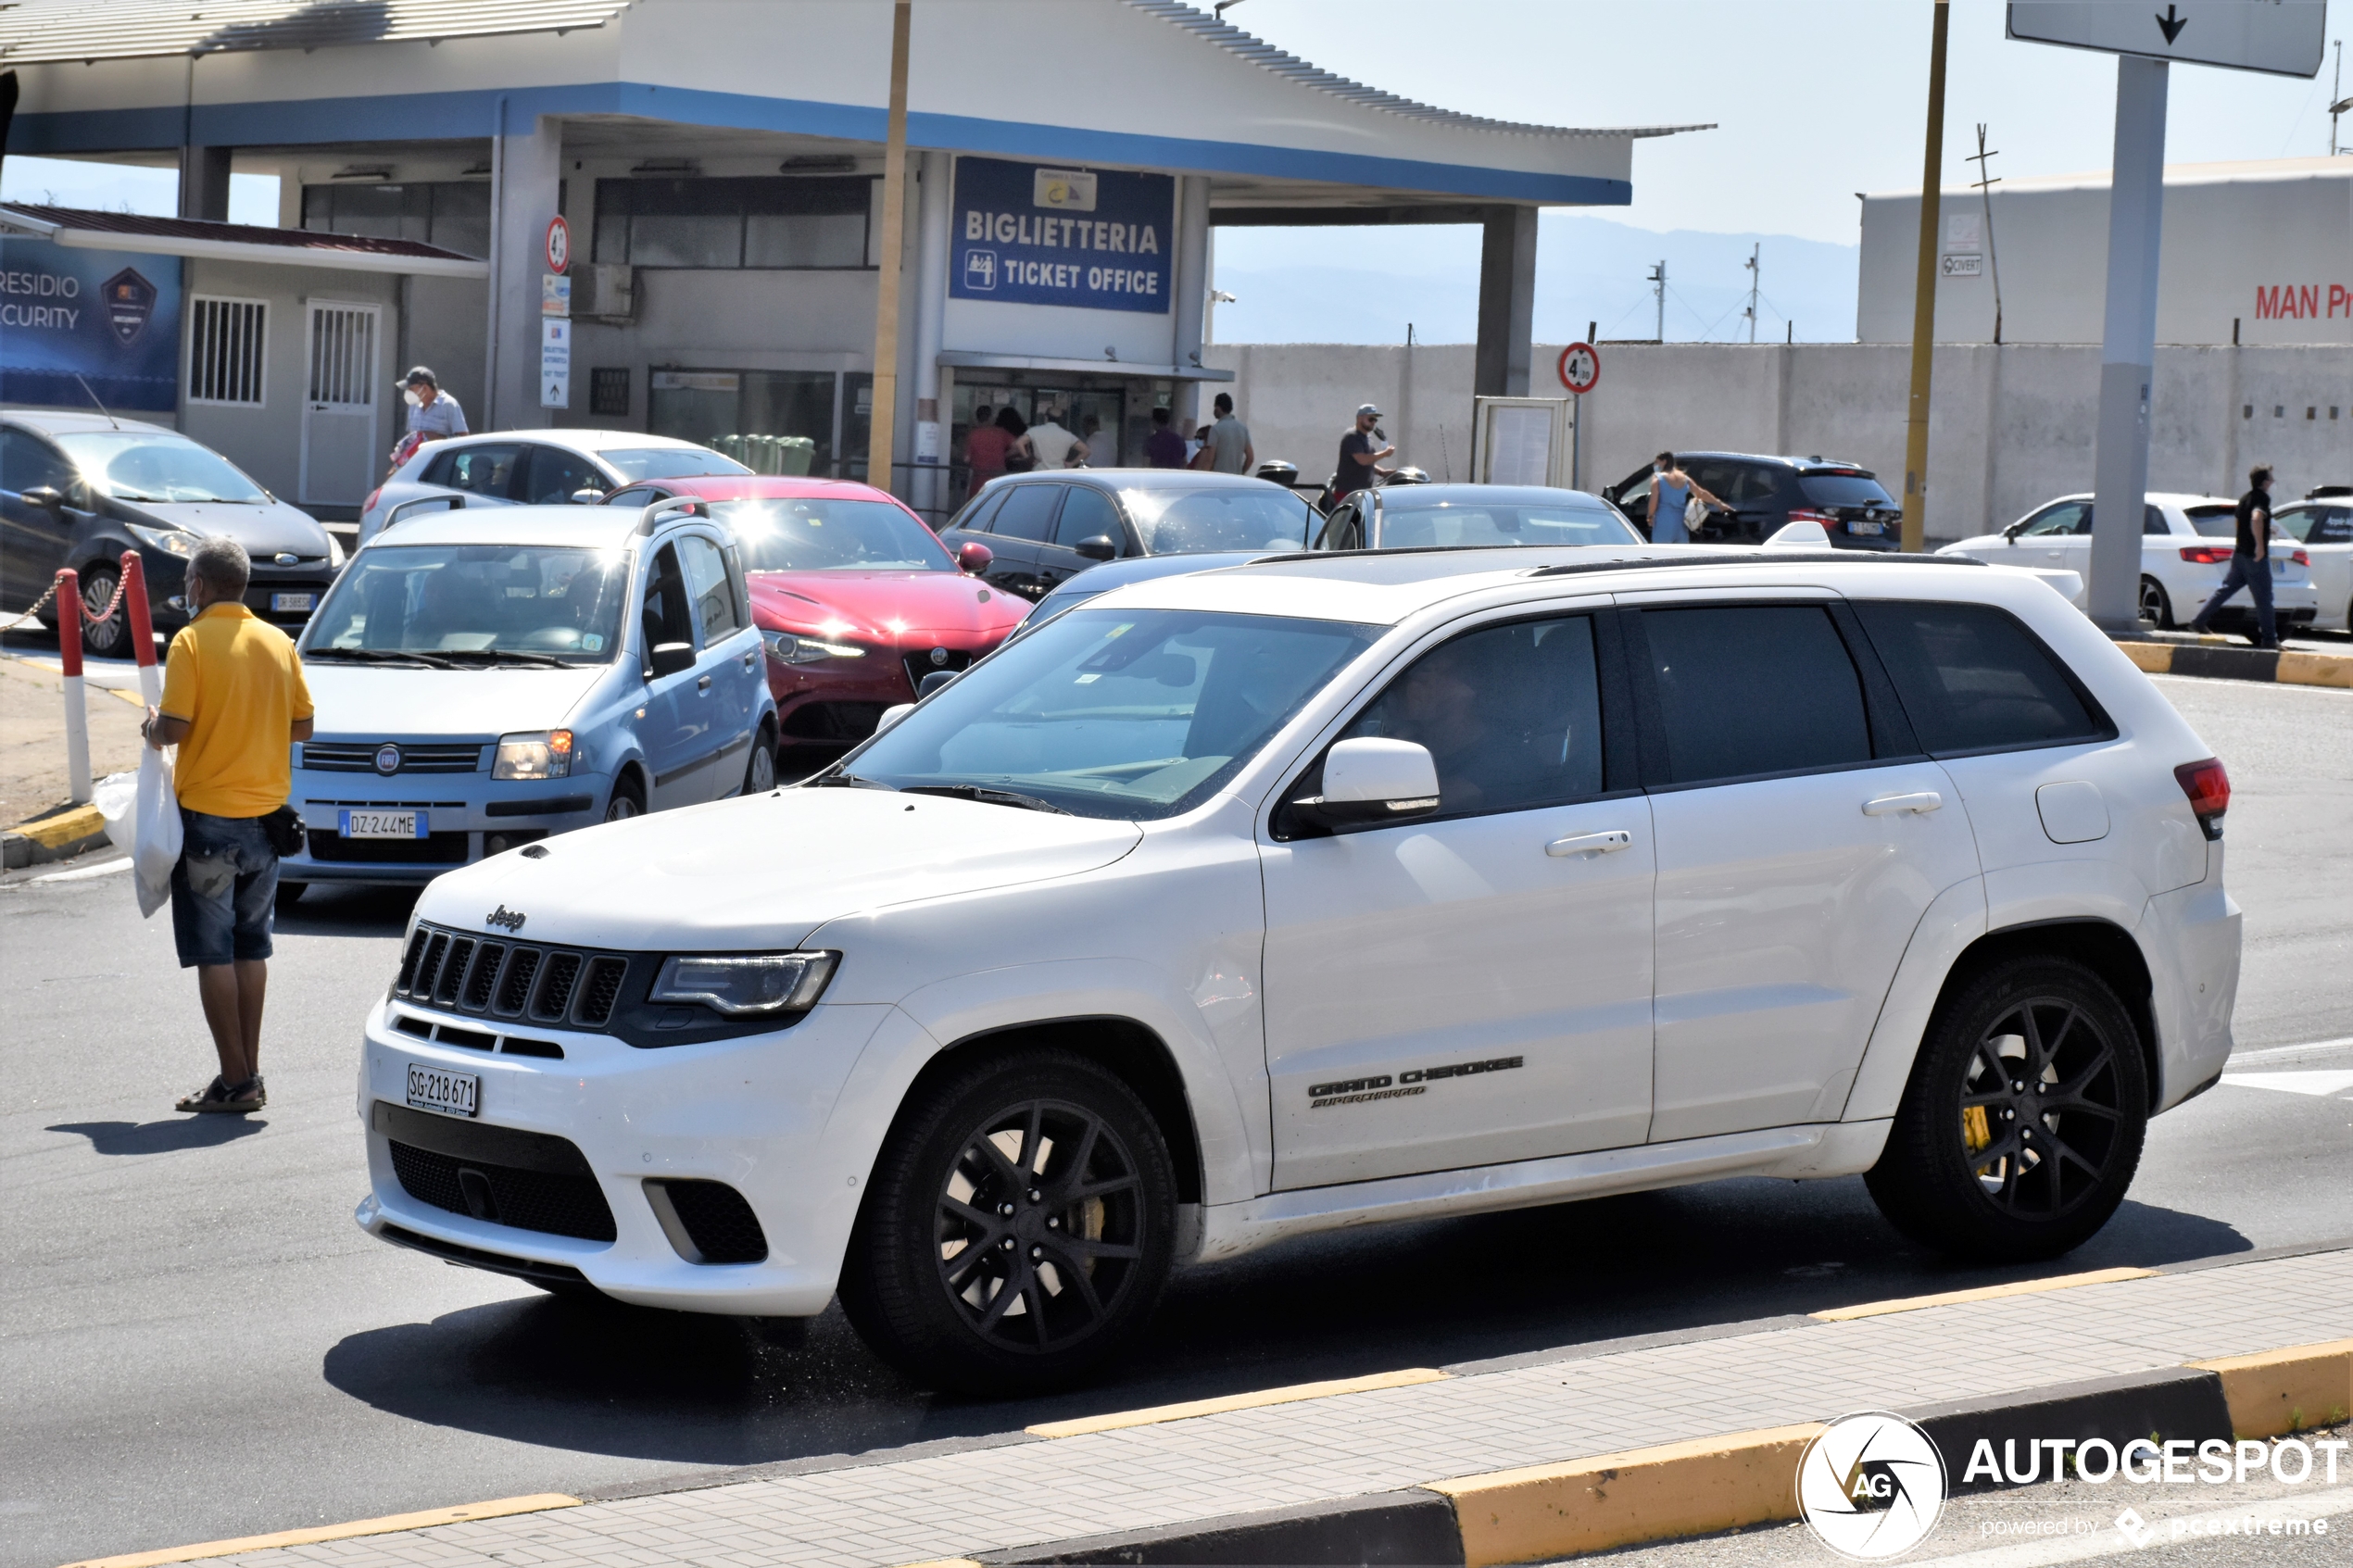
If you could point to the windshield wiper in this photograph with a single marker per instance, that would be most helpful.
(988, 796)
(383, 656)
(505, 655)
(832, 780)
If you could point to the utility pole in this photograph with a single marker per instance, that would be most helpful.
(2339, 103)
(1658, 276)
(1924, 294)
(882, 429)
(1985, 192)
(1755, 276)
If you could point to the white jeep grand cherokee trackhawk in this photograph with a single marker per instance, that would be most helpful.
(1325, 890)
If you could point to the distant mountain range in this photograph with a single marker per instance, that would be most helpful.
(1363, 285)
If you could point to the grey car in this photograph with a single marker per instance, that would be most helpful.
(1392, 517)
(1045, 528)
(78, 490)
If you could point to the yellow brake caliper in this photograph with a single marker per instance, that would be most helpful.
(1976, 1130)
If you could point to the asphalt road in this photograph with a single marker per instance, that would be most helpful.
(195, 1342)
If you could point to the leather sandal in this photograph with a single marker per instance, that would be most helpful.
(212, 1097)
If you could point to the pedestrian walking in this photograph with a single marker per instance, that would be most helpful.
(1671, 494)
(233, 700)
(432, 413)
(2251, 563)
(1226, 448)
(1358, 460)
(1163, 448)
(985, 447)
(1053, 446)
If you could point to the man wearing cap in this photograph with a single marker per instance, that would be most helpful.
(1359, 462)
(432, 413)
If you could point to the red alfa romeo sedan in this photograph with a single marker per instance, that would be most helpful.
(855, 598)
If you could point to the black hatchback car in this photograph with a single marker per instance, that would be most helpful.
(1765, 493)
(77, 490)
(1046, 527)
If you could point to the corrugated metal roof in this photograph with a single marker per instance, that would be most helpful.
(39, 32)
(1264, 54)
(204, 228)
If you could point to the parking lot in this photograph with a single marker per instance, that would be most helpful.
(200, 1344)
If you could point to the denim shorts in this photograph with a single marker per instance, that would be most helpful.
(224, 890)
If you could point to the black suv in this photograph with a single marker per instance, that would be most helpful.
(1766, 493)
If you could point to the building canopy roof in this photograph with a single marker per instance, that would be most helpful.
(1146, 83)
(233, 242)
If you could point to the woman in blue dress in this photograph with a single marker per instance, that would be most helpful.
(1671, 493)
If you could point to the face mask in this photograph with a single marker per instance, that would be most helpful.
(415, 399)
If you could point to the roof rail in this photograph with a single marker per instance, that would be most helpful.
(693, 506)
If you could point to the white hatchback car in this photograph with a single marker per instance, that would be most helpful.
(534, 468)
(1325, 890)
(2185, 552)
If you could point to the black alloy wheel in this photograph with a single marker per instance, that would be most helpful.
(2023, 1122)
(2157, 611)
(1018, 1228)
(109, 638)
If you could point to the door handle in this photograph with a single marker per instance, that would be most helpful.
(1590, 843)
(1925, 801)
(704, 686)
(748, 659)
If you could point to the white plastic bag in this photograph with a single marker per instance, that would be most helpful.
(156, 836)
(114, 795)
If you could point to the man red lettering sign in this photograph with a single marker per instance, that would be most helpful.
(2302, 302)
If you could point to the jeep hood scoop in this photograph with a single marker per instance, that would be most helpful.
(764, 872)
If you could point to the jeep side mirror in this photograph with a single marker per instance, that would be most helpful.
(46, 498)
(1370, 781)
(669, 658)
(974, 557)
(1099, 548)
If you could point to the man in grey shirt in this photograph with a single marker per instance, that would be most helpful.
(432, 413)
(1228, 449)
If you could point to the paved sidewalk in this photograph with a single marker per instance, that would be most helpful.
(876, 1510)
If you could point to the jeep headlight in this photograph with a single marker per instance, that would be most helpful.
(789, 649)
(746, 985)
(542, 754)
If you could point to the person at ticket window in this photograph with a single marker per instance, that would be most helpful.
(233, 700)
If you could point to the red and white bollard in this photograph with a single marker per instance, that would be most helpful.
(142, 627)
(77, 708)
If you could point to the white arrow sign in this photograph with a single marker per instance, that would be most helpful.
(2280, 36)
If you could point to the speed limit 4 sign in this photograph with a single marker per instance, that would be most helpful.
(1580, 368)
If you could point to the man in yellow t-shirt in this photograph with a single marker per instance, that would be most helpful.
(234, 701)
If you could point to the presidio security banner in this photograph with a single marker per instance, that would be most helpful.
(1035, 234)
(110, 317)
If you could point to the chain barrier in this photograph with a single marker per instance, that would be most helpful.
(121, 582)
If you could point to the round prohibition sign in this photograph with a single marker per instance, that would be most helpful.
(558, 245)
(1580, 368)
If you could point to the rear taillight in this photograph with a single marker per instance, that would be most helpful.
(2299, 557)
(370, 503)
(2209, 788)
(1800, 514)
(2208, 555)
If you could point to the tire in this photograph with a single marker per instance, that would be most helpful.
(289, 894)
(2156, 609)
(2025, 1181)
(1091, 1241)
(627, 801)
(759, 772)
(109, 638)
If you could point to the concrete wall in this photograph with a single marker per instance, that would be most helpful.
(2011, 426)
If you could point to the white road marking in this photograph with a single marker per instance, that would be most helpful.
(80, 872)
(2318, 1082)
(2180, 1529)
(2276, 1052)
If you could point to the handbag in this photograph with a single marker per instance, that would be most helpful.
(283, 829)
(1694, 514)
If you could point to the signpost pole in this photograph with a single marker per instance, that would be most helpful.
(2128, 344)
(1924, 295)
(883, 430)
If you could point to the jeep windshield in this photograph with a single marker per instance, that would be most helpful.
(474, 605)
(1132, 714)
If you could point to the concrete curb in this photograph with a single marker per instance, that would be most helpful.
(1712, 1485)
(55, 835)
(2296, 667)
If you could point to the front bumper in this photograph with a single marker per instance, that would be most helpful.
(838, 702)
(751, 1113)
(470, 816)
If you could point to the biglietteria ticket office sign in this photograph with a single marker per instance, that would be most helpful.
(1031, 233)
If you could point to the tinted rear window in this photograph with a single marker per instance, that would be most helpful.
(2214, 522)
(1747, 689)
(1844, 490)
(1972, 679)
(1028, 511)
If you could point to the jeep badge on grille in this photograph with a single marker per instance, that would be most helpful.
(511, 919)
